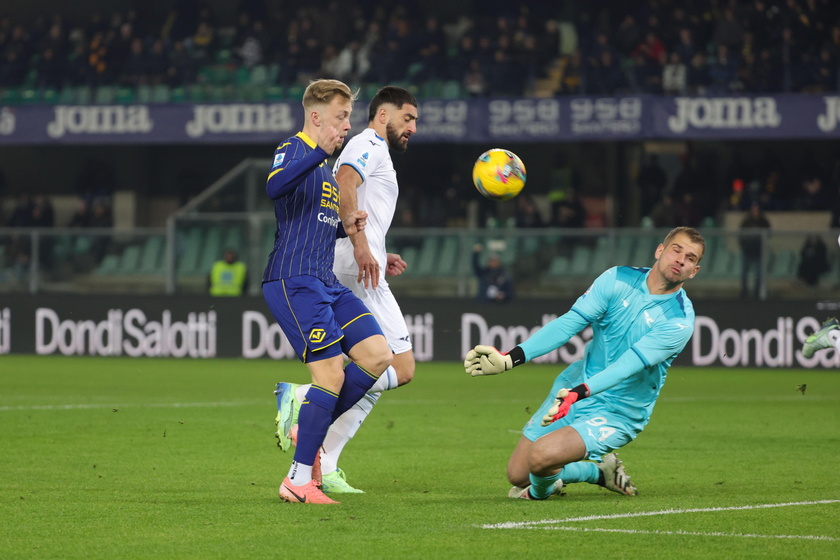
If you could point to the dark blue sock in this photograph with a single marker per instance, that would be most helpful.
(314, 419)
(357, 382)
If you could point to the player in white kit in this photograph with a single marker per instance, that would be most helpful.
(367, 181)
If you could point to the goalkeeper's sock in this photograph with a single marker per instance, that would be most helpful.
(581, 471)
(542, 487)
(357, 382)
(313, 421)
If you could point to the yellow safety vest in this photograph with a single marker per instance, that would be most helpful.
(227, 279)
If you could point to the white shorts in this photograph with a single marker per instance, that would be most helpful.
(384, 307)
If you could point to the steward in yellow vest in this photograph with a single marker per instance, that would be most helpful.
(228, 276)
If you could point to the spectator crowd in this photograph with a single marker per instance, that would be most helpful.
(489, 48)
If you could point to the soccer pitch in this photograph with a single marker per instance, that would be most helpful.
(155, 458)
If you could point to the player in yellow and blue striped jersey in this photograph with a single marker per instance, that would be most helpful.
(321, 318)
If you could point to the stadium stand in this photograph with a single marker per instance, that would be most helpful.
(540, 49)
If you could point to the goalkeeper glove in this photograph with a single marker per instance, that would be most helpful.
(563, 402)
(486, 360)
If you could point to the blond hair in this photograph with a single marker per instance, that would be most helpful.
(322, 92)
(693, 236)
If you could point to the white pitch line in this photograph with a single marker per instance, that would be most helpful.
(132, 405)
(556, 524)
(690, 533)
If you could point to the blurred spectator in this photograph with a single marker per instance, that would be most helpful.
(474, 82)
(605, 76)
(664, 213)
(353, 62)
(674, 76)
(50, 70)
(13, 69)
(572, 81)
(651, 181)
(82, 215)
(813, 260)
(812, 195)
(723, 72)
(728, 31)
(567, 211)
(22, 212)
(752, 247)
(685, 49)
(180, 69)
(698, 75)
(527, 215)
(494, 283)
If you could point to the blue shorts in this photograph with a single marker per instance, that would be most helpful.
(320, 321)
(602, 427)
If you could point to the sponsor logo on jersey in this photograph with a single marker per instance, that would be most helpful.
(363, 159)
(278, 159)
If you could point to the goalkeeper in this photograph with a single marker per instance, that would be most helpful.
(641, 320)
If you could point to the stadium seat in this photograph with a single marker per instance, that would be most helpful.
(151, 258)
(427, 258)
(129, 261)
(275, 93)
(559, 266)
(295, 92)
(196, 93)
(258, 75)
(451, 90)
(447, 261)
(177, 95)
(10, 96)
(409, 255)
(189, 250)
(124, 96)
(67, 96)
(783, 264)
(49, 96)
(29, 96)
(233, 239)
(105, 95)
(110, 265)
(143, 94)
(581, 261)
(212, 249)
(82, 95)
(251, 93)
(160, 94)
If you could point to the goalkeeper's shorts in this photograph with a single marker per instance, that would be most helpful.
(602, 428)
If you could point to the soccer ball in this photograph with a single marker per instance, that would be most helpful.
(499, 174)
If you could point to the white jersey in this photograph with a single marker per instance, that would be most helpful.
(369, 155)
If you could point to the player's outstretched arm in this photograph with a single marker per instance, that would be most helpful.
(486, 360)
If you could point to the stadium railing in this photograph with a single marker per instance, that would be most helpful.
(542, 262)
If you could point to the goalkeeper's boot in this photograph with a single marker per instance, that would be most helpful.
(287, 415)
(820, 339)
(613, 476)
(336, 483)
(523, 493)
(308, 493)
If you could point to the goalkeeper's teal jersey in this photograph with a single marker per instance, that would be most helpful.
(625, 316)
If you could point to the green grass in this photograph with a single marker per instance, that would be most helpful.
(143, 458)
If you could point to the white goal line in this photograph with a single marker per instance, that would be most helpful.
(558, 524)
